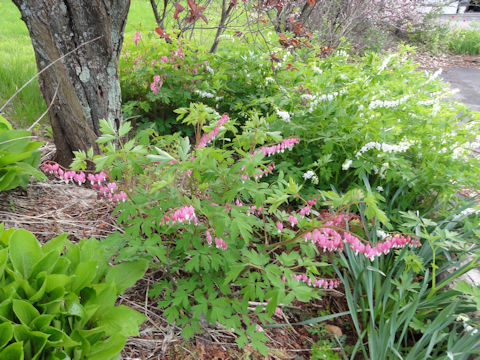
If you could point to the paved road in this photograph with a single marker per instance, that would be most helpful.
(468, 81)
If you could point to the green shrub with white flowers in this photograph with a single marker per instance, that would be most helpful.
(371, 121)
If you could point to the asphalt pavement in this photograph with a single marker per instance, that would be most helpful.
(468, 82)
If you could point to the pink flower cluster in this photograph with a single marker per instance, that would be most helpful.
(318, 283)
(137, 38)
(179, 52)
(292, 220)
(279, 225)
(266, 171)
(219, 242)
(305, 211)
(331, 240)
(209, 137)
(260, 173)
(253, 209)
(156, 84)
(109, 190)
(286, 144)
(395, 242)
(182, 215)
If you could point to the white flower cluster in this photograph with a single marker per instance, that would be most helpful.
(384, 147)
(382, 235)
(210, 70)
(317, 69)
(317, 99)
(427, 102)
(346, 164)
(388, 103)
(435, 75)
(466, 212)
(310, 175)
(382, 170)
(204, 94)
(269, 80)
(468, 328)
(384, 63)
(284, 115)
(226, 36)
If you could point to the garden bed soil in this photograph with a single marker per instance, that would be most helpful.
(433, 62)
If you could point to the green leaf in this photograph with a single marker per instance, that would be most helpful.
(105, 138)
(107, 349)
(184, 148)
(56, 244)
(84, 274)
(24, 251)
(126, 274)
(6, 333)
(5, 123)
(107, 127)
(162, 156)
(121, 319)
(24, 311)
(13, 352)
(315, 320)
(187, 332)
(125, 128)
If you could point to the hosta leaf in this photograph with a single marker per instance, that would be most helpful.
(24, 311)
(6, 333)
(121, 319)
(83, 275)
(24, 251)
(57, 280)
(13, 352)
(33, 341)
(56, 244)
(126, 274)
(5, 124)
(45, 264)
(107, 349)
(41, 321)
(3, 261)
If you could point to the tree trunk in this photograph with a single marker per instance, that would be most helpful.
(87, 80)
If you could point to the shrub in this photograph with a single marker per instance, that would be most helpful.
(371, 118)
(58, 301)
(204, 216)
(330, 21)
(465, 42)
(19, 157)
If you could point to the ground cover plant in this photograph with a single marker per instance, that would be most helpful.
(58, 304)
(19, 157)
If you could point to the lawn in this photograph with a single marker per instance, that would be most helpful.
(18, 59)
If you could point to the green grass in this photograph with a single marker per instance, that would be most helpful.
(18, 65)
(465, 42)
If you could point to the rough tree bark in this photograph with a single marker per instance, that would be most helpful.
(87, 80)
